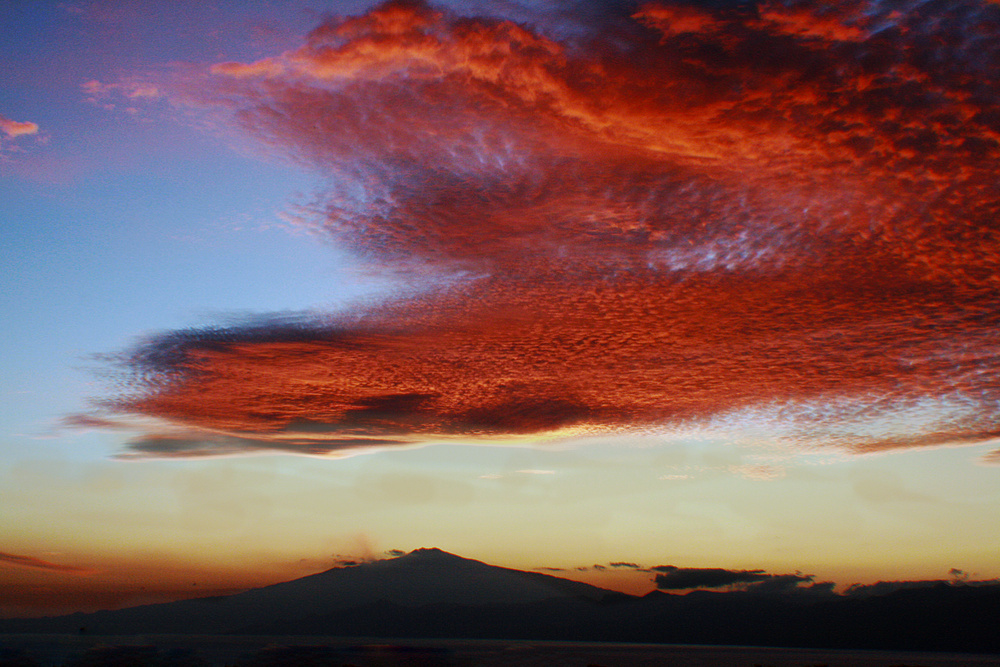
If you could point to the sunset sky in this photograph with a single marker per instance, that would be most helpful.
(702, 283)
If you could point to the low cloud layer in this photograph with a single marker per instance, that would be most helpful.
(671, 578)
(646, 217)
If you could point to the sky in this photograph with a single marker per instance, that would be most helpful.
(676, 284)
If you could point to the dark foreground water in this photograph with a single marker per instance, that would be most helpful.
(257, 651)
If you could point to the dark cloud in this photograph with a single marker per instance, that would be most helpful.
(781, 583)
(783, 214)
(200, 444)
(679, 578)
(880, 588)
(670, 577)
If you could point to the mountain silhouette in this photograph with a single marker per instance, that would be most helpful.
(424, 577)
(430, 593)
(421, 577)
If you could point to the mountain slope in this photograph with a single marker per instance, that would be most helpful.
(424, 576)
(420, 578)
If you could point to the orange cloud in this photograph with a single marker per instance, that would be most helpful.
(783, 218)
(677, 19)
(838, 22)
(13, 128)
(265, 67)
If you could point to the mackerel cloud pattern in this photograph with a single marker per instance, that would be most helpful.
(780, 217)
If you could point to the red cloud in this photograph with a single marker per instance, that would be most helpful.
(787, 214)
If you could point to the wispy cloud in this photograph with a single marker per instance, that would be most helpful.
(678, 216)
(38, 563)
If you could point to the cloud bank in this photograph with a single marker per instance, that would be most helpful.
(644, 217)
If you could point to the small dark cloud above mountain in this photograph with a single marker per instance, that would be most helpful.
(678, 578)
(672, 578)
